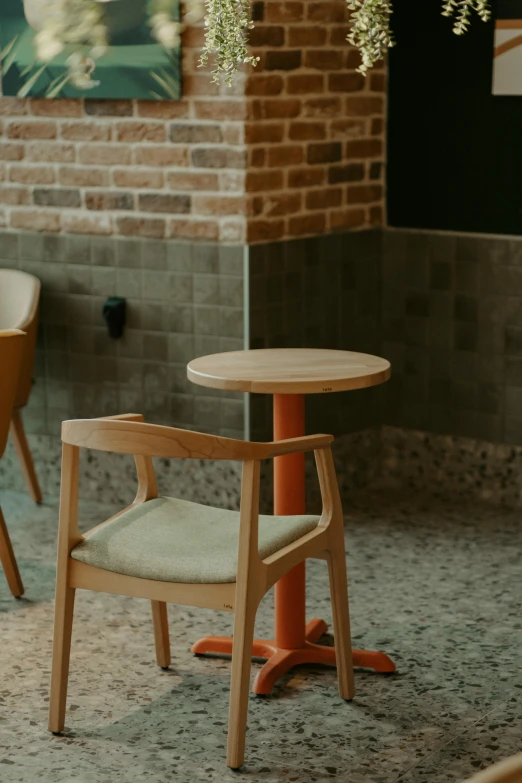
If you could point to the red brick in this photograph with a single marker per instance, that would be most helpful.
(345, 82)
(377, 128)
(57, 197)
(138, 178)
(376, 168)
(363, 148)
(58, 107)
(303, 84)
(80, 223)
(111, 200)
(263, 230)
(232, 181)
(307, 224)
(346, 218)
(105, 108)
(363, 194)
(85, 131)
(322, 107)
(32, 130)
(352, 59)
(324, 59)
(219, 110)
(195, 133)
(306, 36)
(35, 220)
(32, 175)
(361, 106)
(328, 152)
(378, 82)
(376, 216)
(284, 12)
(327, 11)
(263, 84)
(282, 204)
(286, 60)
(218, 205)
(13, 107)
(164, 110)
(15, 196)
(11, 151)
(141, 131)
(218, 158)
(350, 128)
(303, 131)
(49, 152)
(199, 85)
(171, 203)
(265, 132)
(348, 172)
(324, 198)
(264, 180)
(84, 177)
(307, 177)
(275, 108)
(194, 229)
(285, 155)
(161, 156)
(339, 34)
(104, 154)
(193, 180)
(266, 35)
(142, 227)
(257, 157)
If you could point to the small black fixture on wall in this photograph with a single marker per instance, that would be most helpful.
(114, 313)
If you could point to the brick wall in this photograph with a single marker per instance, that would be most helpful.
(295, 148)
(142, 168)
(315, 127)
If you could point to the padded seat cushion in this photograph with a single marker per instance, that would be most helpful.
(174, 540)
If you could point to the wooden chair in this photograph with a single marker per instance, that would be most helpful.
(169, 550)
(12, 345)
(507, 771)
(19, 299)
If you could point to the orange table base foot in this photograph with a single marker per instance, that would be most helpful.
(280, 661)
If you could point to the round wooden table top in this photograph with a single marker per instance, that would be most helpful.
(289, 371)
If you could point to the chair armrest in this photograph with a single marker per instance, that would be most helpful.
(296, 445)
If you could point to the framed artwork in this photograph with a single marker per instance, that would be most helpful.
(507, 62)
(135, 65)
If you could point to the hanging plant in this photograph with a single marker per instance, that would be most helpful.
(84, 28)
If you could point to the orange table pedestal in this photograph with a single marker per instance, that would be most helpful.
(295, 640)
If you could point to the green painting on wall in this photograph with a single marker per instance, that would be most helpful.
(135, 64)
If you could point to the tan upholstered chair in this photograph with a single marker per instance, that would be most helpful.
(170, 550)
(507, 771)
(19, 298)
(12, 348)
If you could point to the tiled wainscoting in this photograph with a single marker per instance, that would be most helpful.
(445, 309)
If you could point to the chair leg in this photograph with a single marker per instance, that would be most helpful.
(341, 621)
(160, 622)
(25, 457)
(8, 561)
(244, 622)
(63, 621)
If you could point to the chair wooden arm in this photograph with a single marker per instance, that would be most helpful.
(279, 448)
(128, 434)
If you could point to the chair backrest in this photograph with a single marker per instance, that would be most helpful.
(19, 298)
(12, 344)
(507, 771)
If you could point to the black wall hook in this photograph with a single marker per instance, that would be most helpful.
(114, 312)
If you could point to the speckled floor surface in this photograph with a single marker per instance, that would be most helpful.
(436, 587)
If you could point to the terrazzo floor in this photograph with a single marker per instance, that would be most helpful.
(436, 587)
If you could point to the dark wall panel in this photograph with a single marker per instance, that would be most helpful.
(454, 149)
